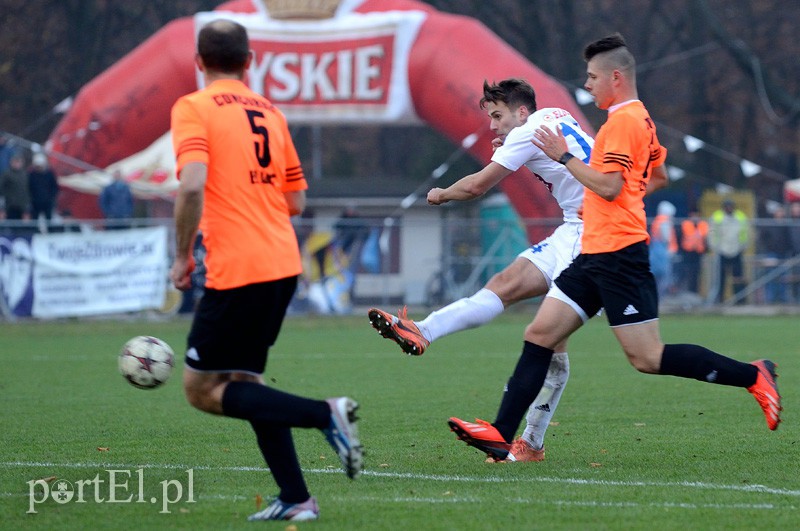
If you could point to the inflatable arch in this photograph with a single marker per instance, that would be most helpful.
(376, 61)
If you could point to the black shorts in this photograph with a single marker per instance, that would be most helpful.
(620, 282)
(233, 329)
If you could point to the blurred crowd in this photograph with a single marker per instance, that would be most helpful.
(745, 260)
(723, 257)
(29, 191)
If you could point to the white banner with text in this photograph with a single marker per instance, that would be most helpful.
(76, 274)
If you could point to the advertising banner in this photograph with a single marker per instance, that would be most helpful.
(78, 274)
(352, 68)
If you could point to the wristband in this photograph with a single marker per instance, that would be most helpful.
(566, 157)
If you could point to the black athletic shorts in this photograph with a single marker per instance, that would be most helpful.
(620, 282)
(233, 329)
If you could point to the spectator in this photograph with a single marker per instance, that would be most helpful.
(663, 246)
(6, 152)
(14, 188)
(116, 201)
(694, 235)
(43, 188)
(730, 234)
(772, 242)
(350, 234)
(794, 247)
(351, 231)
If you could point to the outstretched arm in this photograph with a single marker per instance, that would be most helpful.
(471, 186)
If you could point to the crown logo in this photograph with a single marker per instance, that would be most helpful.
(301, 9)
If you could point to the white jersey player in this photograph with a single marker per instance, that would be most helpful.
(511, 106)
(518, 150)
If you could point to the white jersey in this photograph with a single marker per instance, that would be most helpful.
(518, 150)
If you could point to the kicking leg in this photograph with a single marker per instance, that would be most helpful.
(519, 281)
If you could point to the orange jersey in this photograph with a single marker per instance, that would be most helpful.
(627, 143)
(244, 141)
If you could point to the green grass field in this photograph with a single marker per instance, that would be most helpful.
(626, 451)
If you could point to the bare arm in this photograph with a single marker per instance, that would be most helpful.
(188, 209)
(658, 179)
(471, 186)
(296, 202)
(606, 185)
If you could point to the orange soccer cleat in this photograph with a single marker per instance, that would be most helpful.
(399, 329)
(765, 391)
(481, 435)
(521, 451)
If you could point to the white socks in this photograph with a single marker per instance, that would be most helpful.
(469, 312)
(544, 405)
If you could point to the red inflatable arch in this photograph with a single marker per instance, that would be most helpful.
(126, 108)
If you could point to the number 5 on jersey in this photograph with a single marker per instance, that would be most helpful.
(261, 146)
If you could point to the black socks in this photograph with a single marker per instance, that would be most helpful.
(522, 388)
(254, 401)
(699, 363)
(272, 414)
(277, 447)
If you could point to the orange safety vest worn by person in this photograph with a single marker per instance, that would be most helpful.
(662, 225)
(245, 216)
(693, 236)
(612, 225)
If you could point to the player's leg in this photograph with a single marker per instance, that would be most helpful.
(525, 387)
(544, 406)
(629, 295)
(228, 345)
(557, 320)
(648, 354)
(224, 362)
(520, 280)
(558, 317)
(529, 275)
(530, 446)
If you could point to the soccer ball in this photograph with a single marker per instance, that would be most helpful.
(146, 362)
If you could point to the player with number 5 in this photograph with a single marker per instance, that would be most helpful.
(240, 181)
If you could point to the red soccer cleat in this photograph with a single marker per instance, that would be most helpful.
(481, 435)
(765, 391)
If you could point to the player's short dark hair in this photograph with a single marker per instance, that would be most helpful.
(513, 92)
(616, 50)
(223, 46)
(606, 44)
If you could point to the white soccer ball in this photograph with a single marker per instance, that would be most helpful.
(146, 362)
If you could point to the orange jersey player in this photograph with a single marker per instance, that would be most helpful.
(613, 269)
(255, 164)
(240, 182)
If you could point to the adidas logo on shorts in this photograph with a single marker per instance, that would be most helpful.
(630, 310)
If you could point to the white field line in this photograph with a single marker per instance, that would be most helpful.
(508, 501)
(525, 501)
(761, 489)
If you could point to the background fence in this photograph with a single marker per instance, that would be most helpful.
(353, 262)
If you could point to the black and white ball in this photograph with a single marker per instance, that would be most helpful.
(146, 362)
